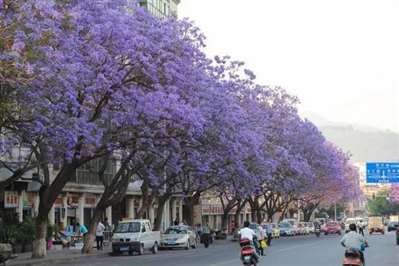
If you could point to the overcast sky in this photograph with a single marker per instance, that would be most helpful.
(340, 57)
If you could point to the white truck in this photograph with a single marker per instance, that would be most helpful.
(135, 236)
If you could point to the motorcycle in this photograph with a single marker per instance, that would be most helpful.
(206, 240)
(317, 232)
(352, 258)
(248, 253)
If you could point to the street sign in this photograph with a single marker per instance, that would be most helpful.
(382, 173)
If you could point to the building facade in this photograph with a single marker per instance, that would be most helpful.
(161, 8)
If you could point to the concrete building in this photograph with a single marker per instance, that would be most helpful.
(161, 8)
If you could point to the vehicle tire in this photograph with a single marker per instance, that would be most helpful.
(141, 249)
(155, 248)
(339, 233)
(130, 253)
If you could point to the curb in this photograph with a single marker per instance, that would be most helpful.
(50, 261)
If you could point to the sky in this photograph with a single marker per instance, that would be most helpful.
(340, 57)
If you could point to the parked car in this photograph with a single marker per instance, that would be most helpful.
(294, 224)
(376, 225)
(135, 236)
(310, 227)
(302, 229)
(192, 231)
(392, 226)
(332, 228)
(178, 237)
(286, 229)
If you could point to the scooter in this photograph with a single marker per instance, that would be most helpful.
(317, 232)
(248, 253)
(206, 239)
(352, 258)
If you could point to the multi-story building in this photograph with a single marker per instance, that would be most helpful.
(161, 8)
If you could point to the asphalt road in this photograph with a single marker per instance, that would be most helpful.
(294, 251)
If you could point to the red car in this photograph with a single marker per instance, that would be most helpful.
(332, 228)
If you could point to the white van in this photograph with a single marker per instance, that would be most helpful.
(135, 236)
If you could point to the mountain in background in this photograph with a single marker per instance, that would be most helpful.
(366, 144)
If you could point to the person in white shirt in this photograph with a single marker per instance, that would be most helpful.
(248, 233)
(100, 235)
(353, 240)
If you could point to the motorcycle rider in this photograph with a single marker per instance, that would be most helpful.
(355, 241)
(248, 233)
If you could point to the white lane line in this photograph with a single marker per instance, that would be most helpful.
(295, 247)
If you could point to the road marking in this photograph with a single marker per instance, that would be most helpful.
(295, 247)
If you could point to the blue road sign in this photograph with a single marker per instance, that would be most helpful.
(383, 173)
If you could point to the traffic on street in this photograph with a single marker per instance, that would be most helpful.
(199, 132)
(287, 251)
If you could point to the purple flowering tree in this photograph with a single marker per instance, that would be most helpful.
(102, 75)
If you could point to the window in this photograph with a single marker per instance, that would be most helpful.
(89, 173)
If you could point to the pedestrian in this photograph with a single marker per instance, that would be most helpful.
(262, 240)
(100, 235)
(107, 225)
(176, 222)
(269, 233)
(81, 229)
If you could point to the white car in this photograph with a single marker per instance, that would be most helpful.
(135, 236)
(178, 237)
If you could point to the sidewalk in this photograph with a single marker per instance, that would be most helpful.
(54, 257)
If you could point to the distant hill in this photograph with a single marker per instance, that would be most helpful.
(363, 142)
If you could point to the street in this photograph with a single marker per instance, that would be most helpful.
(298, 251)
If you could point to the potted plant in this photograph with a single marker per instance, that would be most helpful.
(17, 238)
(27, 230)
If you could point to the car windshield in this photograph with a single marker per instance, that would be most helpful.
(133, 227)
(285, 225)
(175, 231)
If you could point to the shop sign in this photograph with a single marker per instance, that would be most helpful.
(90, 202)
(73, 201)
(11, 199)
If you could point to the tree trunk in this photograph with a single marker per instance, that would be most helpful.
(48, 194)
(225, 218)
(39, 244)
(307, 214)
(91, 235)
(160, 211)
(190, 202)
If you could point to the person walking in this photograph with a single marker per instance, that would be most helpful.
(269, 233)
(100, 235)
(262, 240)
